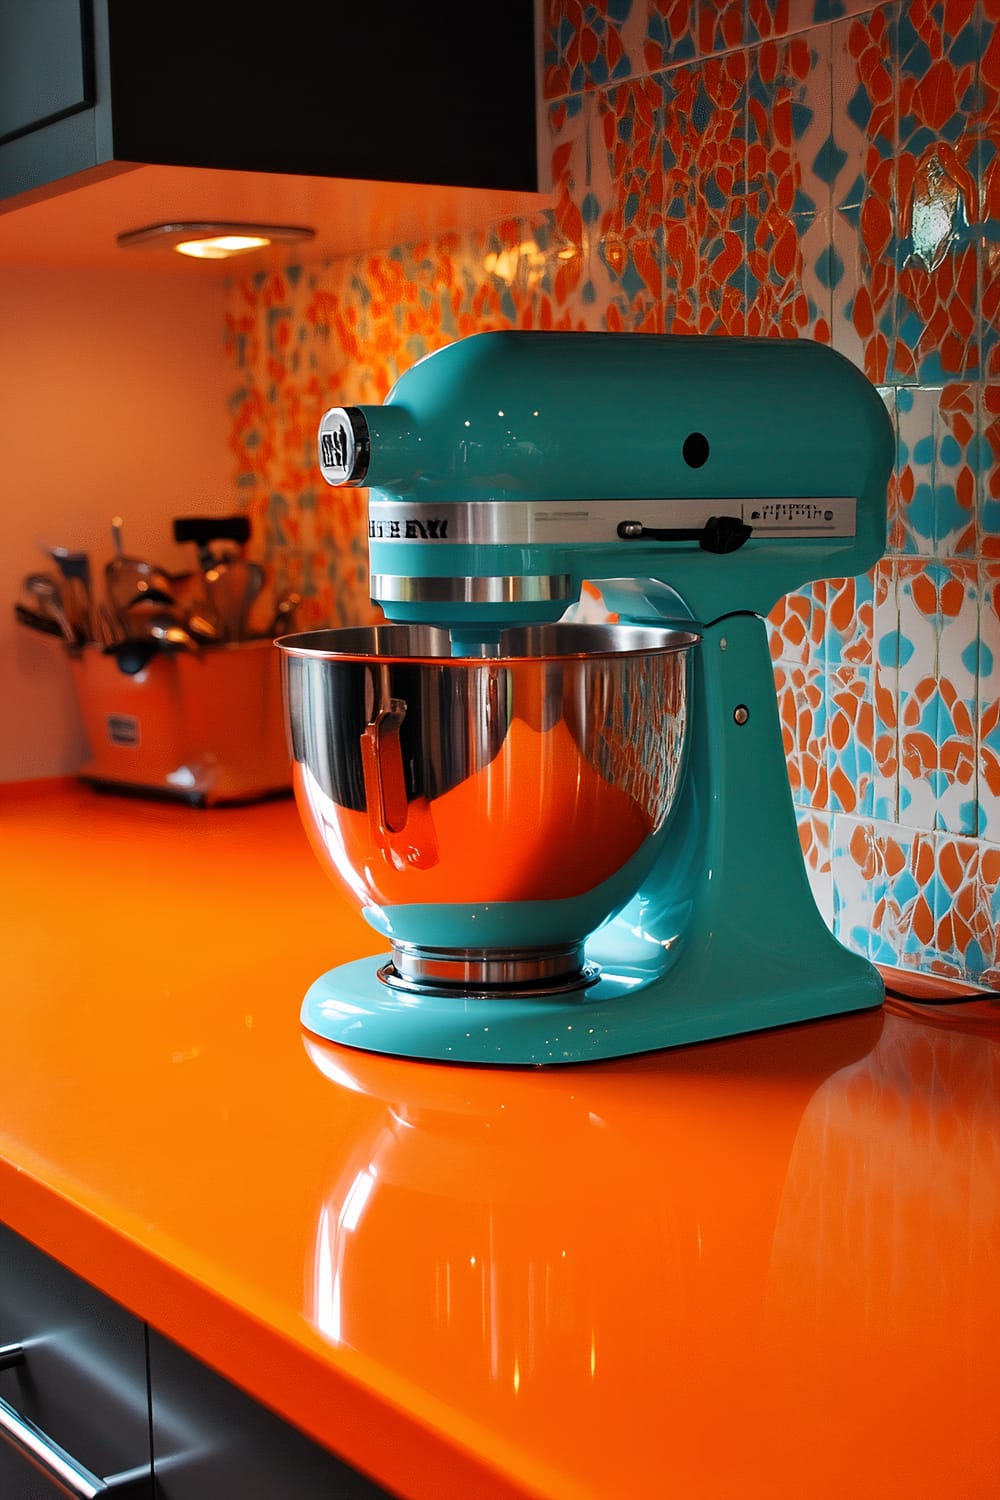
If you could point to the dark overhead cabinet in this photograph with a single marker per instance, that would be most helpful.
(47, 92)
(45, 55)
(385, 91)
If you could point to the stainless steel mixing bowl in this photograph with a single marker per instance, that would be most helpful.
(487, 813)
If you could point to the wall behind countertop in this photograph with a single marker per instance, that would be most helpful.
(816, 168)
(112, 401)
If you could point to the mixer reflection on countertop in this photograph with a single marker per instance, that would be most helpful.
(579, 841)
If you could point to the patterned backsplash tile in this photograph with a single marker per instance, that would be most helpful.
(788, 168)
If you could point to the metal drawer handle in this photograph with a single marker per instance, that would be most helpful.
(75, 1478)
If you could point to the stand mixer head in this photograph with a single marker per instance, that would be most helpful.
(638, 881)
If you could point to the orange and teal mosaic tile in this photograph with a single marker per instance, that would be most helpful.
(786, 231)
(860, 164)
(938, 665)
(937, 325)
(918, 900)
(626, 192)
(988, 704)
(704, 164)
(786, 168)
(815, 838)
(886, 653)
(937, 453)
(884, 892)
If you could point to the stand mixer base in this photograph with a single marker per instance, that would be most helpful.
(614, 1015)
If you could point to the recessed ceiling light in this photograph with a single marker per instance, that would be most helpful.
(209, 240)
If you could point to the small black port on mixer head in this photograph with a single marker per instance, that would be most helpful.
(695, 450)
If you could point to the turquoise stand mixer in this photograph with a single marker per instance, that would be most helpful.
(577, 839)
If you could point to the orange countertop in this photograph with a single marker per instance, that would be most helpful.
(764, 1267)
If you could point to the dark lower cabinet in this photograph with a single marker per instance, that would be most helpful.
(210, 1440)
(94, 1403)
(73, 1387)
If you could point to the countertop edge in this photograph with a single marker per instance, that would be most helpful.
(378, 1432)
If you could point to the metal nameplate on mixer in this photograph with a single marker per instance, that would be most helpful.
(524, 522)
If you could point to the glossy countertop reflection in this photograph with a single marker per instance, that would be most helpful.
(759, 1267)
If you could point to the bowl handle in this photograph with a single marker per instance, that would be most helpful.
(382, 768)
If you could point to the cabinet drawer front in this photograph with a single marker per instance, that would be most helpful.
(20, 1480)
(83, 1376)
(211, 1440)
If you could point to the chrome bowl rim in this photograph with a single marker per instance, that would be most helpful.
(434, 647)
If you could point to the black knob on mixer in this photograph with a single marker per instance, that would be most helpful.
(724, 534)
(719, 534)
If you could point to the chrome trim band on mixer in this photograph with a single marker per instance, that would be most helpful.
(525, 522)
(397, 588)
(472, 971)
